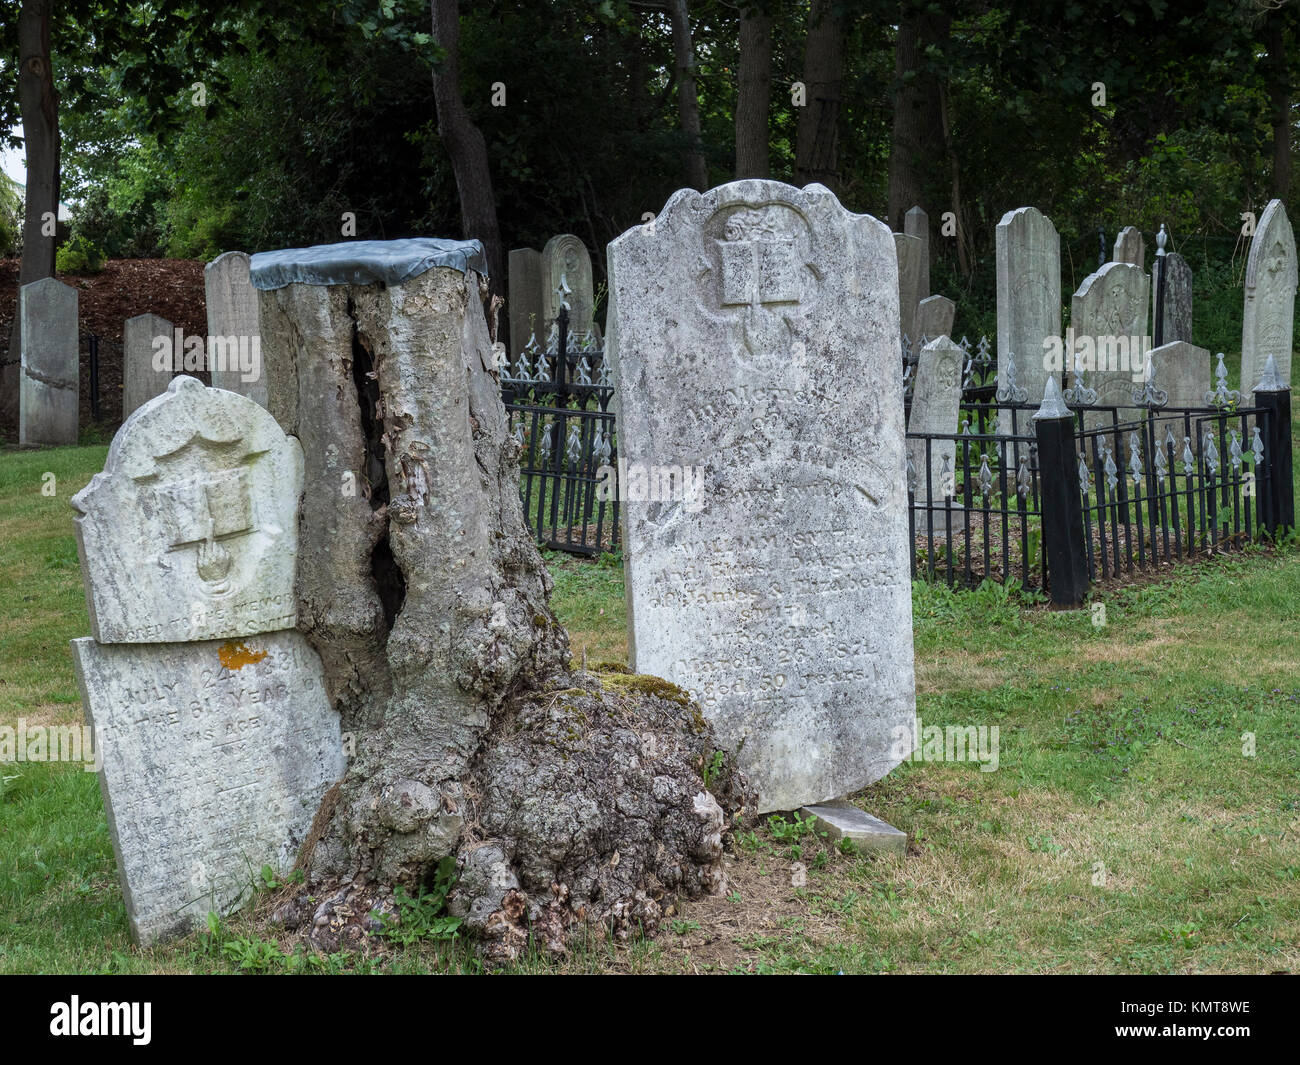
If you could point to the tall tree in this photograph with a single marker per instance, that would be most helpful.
(1277, 81)
(688, 99)
(918, 150)
(464, 143)
(755, 92)
(817, 131)
(39, 104)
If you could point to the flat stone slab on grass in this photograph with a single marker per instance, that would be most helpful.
(842, 820)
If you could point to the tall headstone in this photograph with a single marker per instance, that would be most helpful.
(936, 400)
(775, 584)
(566, 268)
(1108, 316)
(1269, 316)
(207, 484)
(1178, 299)
(48, 382)
(233, 330)
(141, 380)
(527, 312)
(216, 735)
(934, 317)
(1029, 298)
(909, 251)
(1130, 247)
(916, 223)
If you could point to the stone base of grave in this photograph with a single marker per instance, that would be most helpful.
(840, 819)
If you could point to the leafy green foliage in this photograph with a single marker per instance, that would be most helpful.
(421, 917)
(79, 256)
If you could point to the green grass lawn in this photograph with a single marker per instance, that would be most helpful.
(1124, 830)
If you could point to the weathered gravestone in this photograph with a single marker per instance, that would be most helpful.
(215, 755)
(563, 796)
(205, 482)
(916, 223)
(48, 379)
(1269, 315)
(1178, 299)
(779, 592)
(527, 313)
(234, 335)
(1130, 247)
(566, 277)
(1029, 303)
(142, 380)
(934, 317)
(909, 251)
(936, 399)
(1182, 372)
(1109, 329)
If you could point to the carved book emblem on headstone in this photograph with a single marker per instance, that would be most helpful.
(191, 531)
(758, 261)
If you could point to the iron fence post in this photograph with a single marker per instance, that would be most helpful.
(1067, 562)
(1275, 502)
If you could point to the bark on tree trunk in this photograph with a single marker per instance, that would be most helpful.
(1279, 100)
(688, 101)
(39, 104)
(919, 142)
(817, 130)
(755, 95)
(465, 144)
(562, 795)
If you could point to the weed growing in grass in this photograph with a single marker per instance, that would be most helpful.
(421, 917)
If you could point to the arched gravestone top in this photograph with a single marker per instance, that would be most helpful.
(565, 260)
(191, 531)
(365, 262)
(1268, 318)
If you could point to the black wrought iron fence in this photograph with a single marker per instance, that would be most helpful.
(557, 396)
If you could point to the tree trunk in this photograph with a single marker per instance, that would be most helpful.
(1278, 80)
(688, 101)
(817, 130)
(39, 104)
(560, 795)
(465, 144)
(916, 158)
(755, 95)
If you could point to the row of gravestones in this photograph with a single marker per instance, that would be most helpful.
(541, 282)
(779, 594)
(920, 313)
(49, 384)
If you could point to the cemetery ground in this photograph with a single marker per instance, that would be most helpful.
(1124, 830)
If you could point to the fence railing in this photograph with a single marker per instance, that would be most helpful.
(557, 396)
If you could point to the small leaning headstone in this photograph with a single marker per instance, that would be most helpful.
(49, 381)
(1130, 247)
(147, 363)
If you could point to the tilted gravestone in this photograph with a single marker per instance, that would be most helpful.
(1268, 319)
(234, 335)
(215, 755)
(774, 584)
(934, 317)
(1029, 302)
(566, 277)
(1178, 299)
(49, 383)
(936, 398)
(909, 251)
(916, 223)
(142, 380)
(527, 313)
(1109, 325)
(1130, 247)
(207, 485)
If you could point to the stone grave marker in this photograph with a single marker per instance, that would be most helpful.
(768, 573)
(141, 382)
(527, 313)
(1269, 315)
(909, 251)
(916, 223)
(1108, 316)
(191, 531)
(215, 733)
(934, 317)
(935, 402)
(234, 335)
(1178, 299)
(1130, 247)
(1182, 371)
(566, 267)
(49, 382)
(1029, 303)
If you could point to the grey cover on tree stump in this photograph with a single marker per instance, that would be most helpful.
(565, 795)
